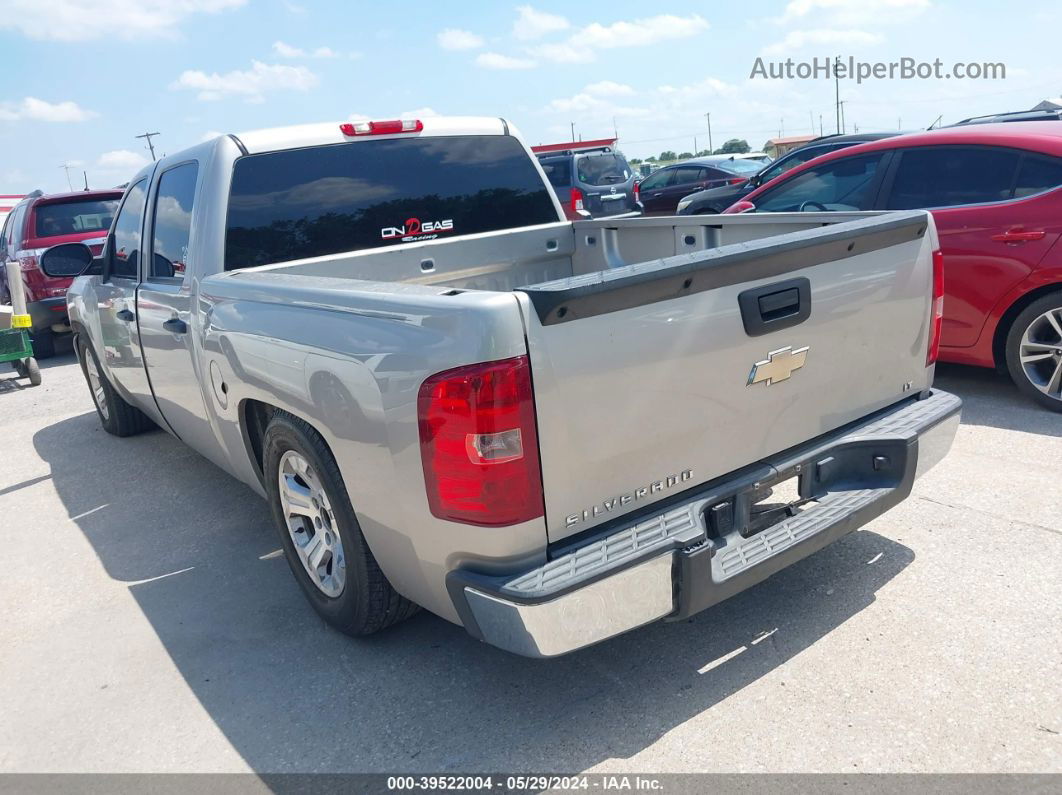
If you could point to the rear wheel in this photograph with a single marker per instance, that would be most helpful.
(116, 415)
(320, 535)
(1034, 351)
(33, 371)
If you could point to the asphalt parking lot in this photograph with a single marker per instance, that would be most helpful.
(149, 624)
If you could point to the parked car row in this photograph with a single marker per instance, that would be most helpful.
(35, 224)
(995, 192)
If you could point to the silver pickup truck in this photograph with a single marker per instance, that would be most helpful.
(548, 432)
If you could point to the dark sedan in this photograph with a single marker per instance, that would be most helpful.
(717, 199)
(661, 190)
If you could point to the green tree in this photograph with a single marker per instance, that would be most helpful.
(735, 146)
(634, 161)
(650, 159)
(685, 155)
(704, 153)
(667, 154)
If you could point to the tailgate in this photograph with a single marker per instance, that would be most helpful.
(651, 378)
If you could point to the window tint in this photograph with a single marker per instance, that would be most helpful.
(797, 158)
(603, 169)
(742, 167)
(558, 172)
(936, 176)
(329, 199)
(173, 220)
(70, 218)
(841, 185)
(127, 232)
(13, 240)
(685, 175)
(657, 180)
(1037, 173)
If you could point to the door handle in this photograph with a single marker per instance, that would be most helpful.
(1019, 235)
(126, 315)
(175, 326)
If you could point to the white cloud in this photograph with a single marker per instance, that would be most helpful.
(288, 51)
(33, 109)
(855, 12)
(566, 52)
(455, 39)
(75, 20)
(252, 84)
(800, 39)
(495, 60)
(124, 161)
(580, 47)
(607, 88)
(533, 24)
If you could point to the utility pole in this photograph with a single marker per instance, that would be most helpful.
(151, 148)
(573, 129)
(820, 125)
(837, 92)
(811, 118)
(66, 167)
(711, 148)
(615, 129)
(840, 106)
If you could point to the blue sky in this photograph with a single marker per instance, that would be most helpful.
(83, 77)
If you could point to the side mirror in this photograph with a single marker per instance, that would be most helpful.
(740, 207)
(65, 260)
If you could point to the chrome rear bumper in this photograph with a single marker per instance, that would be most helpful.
(684, 558)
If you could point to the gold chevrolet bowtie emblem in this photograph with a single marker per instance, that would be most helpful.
(778, 365)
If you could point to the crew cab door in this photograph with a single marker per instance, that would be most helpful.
(117, 342)
(164, 306)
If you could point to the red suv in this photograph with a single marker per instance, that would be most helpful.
(995, 191)
(39, 222)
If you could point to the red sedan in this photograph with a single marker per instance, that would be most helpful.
(995, 191)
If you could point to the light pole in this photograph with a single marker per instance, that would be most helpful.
(151, 148)
(711, 148)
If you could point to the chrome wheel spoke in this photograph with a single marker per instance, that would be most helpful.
(1054, 383)
(1054, 318)
(311, 524)
(1040, 353)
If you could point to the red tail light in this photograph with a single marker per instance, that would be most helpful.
(479, 444)
(577, 200)
(937, 318)
(637, 192)
(382, 127)
(736, 180)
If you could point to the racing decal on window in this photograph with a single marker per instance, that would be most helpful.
(415, 229)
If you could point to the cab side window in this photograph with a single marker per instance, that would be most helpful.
(1037, 174)
(947, 176)
(173, 221)
(127, 230)
(844, 185)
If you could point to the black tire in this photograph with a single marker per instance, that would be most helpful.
(367, 602)
(1046, 338)
(117, 416)
(33, 372)
(43, 344)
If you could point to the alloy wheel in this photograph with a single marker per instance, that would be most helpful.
(1040, 352)
(311, 524)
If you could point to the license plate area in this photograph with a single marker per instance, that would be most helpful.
(801, 483)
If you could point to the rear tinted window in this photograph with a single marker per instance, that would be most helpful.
(1037, 173)
(331, 199)
(945, 176)
(603, 169)
(558, 172)
(743, 167)
(71, 218)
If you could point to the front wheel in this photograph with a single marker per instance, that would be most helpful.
(320, 535)
(116, 415)
(1034, 351)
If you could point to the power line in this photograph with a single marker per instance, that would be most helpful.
(66, 167)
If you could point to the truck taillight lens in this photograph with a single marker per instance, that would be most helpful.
(479, 444)
(937, 318)
(577, 200)
(637, 192)
(388, 127)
